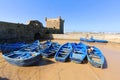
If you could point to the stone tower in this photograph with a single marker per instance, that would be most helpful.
(55, 23)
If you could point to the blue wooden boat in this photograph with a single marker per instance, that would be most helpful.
(63, 53)
(50, 52)
(35, 46)
(25, 56)
(87, 40)
(44, 46)
(95, 57)
(12, 47)
(79, 52)
(101, 41)
(21, 58)
(98, 40)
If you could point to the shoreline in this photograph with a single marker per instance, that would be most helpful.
(115, 38)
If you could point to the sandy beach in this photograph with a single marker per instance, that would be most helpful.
(49, 69)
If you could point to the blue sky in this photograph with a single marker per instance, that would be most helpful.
(79, 15)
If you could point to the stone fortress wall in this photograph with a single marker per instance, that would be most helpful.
(13, 32)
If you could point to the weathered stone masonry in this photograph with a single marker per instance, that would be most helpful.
(12, 32)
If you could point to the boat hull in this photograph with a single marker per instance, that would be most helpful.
(96, 58)
(86, 40)
(101, 41)
(23, 62)
(95, 64)
(63, 54)
(12, 47)
(25, 56)
(79, 52)
(50, 52)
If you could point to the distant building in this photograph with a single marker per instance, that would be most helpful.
(12, 32)
(56, 24)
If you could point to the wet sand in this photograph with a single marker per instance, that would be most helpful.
(49, 69)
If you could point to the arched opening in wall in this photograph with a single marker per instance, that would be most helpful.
(37, 36)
